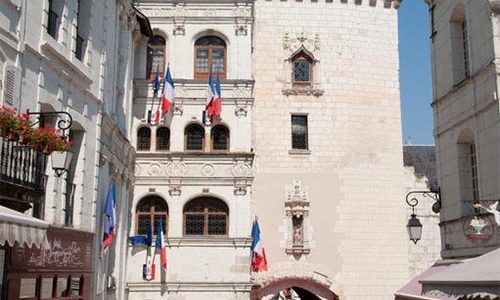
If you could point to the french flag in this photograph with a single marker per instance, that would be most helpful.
(167, 92)
(160, 244)
(217, 103)
(109, 218)
(259, 261)
(211, 95)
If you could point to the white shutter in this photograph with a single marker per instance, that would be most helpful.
(11, 86)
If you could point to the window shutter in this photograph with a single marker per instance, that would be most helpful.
(11, 86)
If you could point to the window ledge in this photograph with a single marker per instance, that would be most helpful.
(303, 91)
(299, 152)
(297, 249)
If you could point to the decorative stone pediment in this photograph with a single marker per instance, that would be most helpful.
(297, 202)
(293, 42)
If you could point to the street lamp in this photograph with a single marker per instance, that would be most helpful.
(61, 160)
(414, 225)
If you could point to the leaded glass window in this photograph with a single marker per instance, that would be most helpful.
(220, 138)
(299, 132)
(162, 138)
(209, 51)
(150, 211)
(156, 56)
(195, 136)
(144, 139)
(205, 217)
(302, 67)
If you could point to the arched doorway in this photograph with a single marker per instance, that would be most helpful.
(293, 288)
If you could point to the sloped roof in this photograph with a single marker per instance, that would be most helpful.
(423, 159)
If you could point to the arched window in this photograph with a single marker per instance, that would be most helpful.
(144, 139)
(459, 44)
(206, 216)
(220, 138)
(150, 211)
(195, 137)
(209, 51)
(156, 56)
(302, 69)
(162, 138)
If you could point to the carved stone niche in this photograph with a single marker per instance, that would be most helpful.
(297, 220)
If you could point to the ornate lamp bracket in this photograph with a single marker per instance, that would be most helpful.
(63, 124)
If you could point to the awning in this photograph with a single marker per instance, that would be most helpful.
(480, 275)
(476, 278)
(413, 289)
(23, 229)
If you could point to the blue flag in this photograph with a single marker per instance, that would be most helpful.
(142, 239)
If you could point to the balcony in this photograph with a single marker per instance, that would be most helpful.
(22, 170)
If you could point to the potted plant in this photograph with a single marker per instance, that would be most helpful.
(8, 122)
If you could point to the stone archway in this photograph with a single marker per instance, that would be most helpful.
(305, 286)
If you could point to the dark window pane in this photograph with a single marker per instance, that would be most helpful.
(301, 70)
(144, 139)
(157, 219)
(157, 41)
(220, 138)
(143, 221)
(210, 40)
(194, 136)
(299, 132)
(194, 224)
(157, 61)
(216, 206)
(162, 138)
(217, 224)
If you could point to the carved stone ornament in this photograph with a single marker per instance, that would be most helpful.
(240, 169)
(176, 168)
(154, 169)
(298, 226)
(305, 91)
(297, 203)
(178, 109)
(308, 41)
(240, 188)
(242, 12)
(208, 170)
(175, 190)
(240, 29)
(210, 12)
(179, 29)
(241, 92)
(241, 110)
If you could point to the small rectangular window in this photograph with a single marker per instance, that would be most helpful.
(301, 71)
(299, 132)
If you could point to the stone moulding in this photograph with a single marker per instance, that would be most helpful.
(303, 92)
(186, 286)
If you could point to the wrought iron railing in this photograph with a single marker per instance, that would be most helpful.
(22, 166)
(52, 24)
(79, 47)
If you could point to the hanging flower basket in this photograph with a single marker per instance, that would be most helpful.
(17, 128)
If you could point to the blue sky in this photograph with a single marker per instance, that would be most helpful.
(415, 72)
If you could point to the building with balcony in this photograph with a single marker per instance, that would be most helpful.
(309, 140)
(60, 59)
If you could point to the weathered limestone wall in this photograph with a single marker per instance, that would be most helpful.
(353, 170)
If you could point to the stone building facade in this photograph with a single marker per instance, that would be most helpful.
(74, 57)
(311, 106)
(466, 120)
